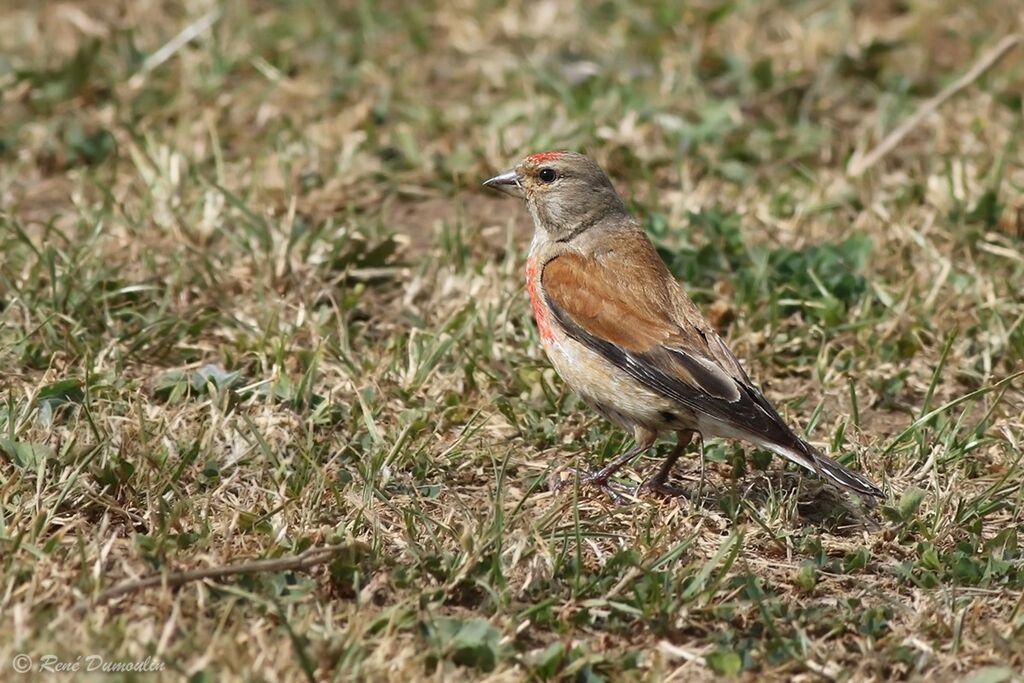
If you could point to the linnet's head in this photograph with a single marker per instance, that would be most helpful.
(566, 192)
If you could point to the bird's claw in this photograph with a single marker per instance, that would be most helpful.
(663, 488)
(618, 493)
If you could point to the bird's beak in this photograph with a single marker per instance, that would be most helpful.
(507, 182)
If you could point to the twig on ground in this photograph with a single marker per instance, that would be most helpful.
(304, 560)
(861, 163)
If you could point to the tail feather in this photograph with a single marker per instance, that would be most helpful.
(810, 457)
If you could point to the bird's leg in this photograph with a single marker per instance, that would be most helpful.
(605, 473)
(703, 462)
(601, 478)
(659, 482)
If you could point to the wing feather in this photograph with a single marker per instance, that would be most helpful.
(647, 326)
(644, 324)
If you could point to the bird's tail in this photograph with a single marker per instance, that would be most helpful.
(810, 457)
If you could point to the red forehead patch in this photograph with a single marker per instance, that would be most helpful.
(540, 157)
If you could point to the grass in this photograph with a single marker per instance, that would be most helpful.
(254, 301)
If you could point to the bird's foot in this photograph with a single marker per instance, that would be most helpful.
(618, 493)
(661, 487)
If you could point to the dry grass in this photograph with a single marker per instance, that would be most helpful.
(254, 301)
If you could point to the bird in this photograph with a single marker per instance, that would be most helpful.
(623, 334)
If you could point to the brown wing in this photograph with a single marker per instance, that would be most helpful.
(643, 312)
(643, 323)
(624, 304)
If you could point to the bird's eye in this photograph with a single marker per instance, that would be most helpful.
(547, 175)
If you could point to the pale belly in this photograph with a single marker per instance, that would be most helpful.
(613, 393)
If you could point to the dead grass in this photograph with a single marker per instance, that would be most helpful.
(253, 301)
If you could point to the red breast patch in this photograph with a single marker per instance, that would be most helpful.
(540, 311)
